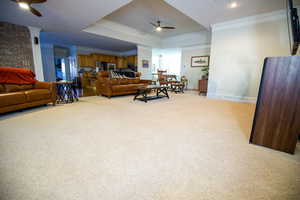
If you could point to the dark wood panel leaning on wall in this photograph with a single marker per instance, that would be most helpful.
(277, 118)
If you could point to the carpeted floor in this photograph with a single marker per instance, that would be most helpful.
(185, 148)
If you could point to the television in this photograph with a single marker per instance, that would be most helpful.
(293, 24)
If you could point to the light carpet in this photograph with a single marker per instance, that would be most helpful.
(184, 148)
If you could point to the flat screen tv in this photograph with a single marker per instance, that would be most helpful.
(293, 22)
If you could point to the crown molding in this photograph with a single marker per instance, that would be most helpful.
(122, 32)
(88, 50)
(129, 53)
(114, 26)
(144, 47)
(246, 21)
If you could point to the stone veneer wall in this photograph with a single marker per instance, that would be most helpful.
(15, 46)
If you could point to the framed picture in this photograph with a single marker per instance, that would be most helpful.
(200, 61)
(145, 63)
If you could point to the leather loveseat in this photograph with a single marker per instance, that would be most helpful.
(19, 89)
(109, 87)
(19, 96)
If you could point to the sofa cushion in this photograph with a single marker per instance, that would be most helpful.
(12, 98)
(114, 81)
(129, 87)
(103, 74)
(120, 88)
(135, 86)
(123, 81)
(130, 81)
(138, 74)
(17, 87)
(136, 81)
(37, 94)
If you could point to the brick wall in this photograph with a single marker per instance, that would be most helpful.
(15, 46)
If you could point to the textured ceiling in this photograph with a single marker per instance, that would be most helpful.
(208, 12)
(139, 13)
(87, 40)
(64, 19)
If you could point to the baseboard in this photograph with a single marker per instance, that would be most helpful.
(233, 98)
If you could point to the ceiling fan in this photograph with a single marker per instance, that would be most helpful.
(159, 27)
(26, 4)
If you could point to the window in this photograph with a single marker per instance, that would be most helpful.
(167, 59)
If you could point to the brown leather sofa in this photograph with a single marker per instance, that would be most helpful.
(14, 97)
(109, 87)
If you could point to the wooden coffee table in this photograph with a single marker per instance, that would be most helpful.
(143, 91)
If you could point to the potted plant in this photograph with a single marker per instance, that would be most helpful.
(205, 72)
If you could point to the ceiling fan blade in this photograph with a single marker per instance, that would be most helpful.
(37, 1)
(29, 1)
(153, 24)
(35, 12)
(168, 27)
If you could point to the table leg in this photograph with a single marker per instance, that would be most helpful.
(145, 96)
(176, 89)
(65, 94)
(69, 98)
(74, 92)
(60, 93)
(136, 95)
(166, 92)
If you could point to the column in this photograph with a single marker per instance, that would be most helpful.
(37, 55)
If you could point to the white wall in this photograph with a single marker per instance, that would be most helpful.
(48, 62)
(193, 74)
(37, 55)
(145, 53)
(48, 51)
(238, 50)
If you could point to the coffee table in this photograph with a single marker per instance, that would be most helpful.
(143, 91)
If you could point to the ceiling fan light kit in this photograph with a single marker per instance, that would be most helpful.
(233, 4)
(26, 5)
(159, 28)
(23, 5)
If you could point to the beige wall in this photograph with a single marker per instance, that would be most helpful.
(238, 50)
(193, 74)
(145, 53)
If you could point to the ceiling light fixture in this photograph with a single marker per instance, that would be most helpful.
(24, 5)
(233, 5)
(158, 28)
